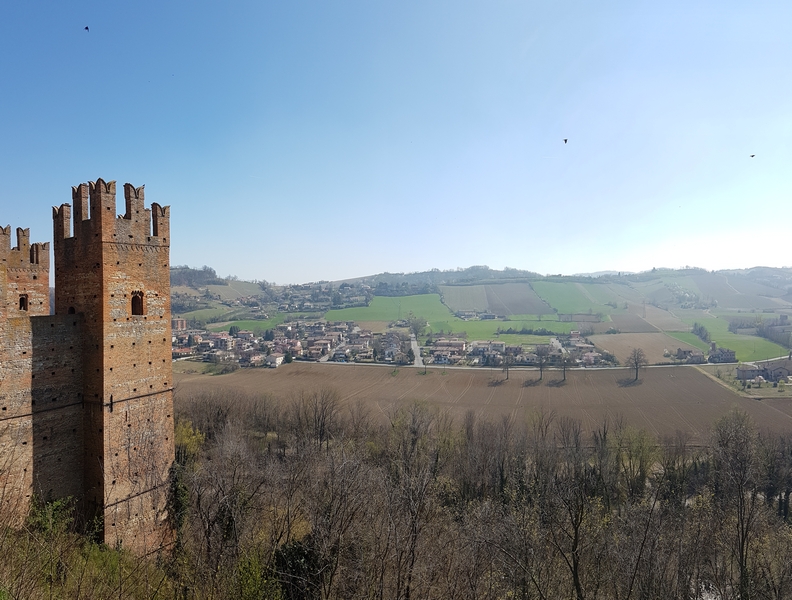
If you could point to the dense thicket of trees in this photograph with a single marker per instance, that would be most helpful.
(307, 498)
(701, 332)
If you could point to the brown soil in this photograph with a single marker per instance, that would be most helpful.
(663, 401)
(653, 345)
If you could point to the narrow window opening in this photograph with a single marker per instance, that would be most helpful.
(23, 302)
(137, 303)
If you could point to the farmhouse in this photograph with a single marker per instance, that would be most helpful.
(692, 356)
(746, 371)
(274, 360)
(721, 355)
(772, 370)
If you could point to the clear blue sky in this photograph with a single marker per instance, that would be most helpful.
(298, 141)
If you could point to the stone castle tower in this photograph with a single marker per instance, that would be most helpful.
(87, 393)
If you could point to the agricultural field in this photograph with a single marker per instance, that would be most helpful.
(746, 347)
(691, 339)
(501, 299)
(653, 345)
(625, 323)
(665, 288)
(204, 314)
(384, 310)
(624, 292)
(485, 330)
(569, 298)
(663, 401)
(662, 319)
(743, 285)
(183, 289)
(515, 299)
(235, 289)
(465, 297)
(717, 286)
(601, 294)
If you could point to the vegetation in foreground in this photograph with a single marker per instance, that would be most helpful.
(300, 499)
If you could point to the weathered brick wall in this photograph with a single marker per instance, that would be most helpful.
(16, 447)
(56, 401)
(41, 408)
(18, 277)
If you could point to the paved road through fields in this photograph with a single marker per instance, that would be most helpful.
(417, 351)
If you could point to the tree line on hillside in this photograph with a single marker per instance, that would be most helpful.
(308, 498)
(701, 332)
(195, 278)
(775, 330)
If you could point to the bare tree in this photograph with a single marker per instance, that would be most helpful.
(636, 360)
(542, 358)
(566, 361)
(508, 361)
(417, 325)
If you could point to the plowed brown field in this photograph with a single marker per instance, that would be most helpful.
(653, 345)
(663, 401)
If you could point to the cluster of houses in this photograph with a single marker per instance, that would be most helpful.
(341, 341)
(321, 296)
(453, 351)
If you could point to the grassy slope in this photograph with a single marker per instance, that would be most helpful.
(746, 347)
(570, 297)
(465, 297)
(254, 325)
(205, 313)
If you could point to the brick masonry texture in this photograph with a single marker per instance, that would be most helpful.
(86, 401)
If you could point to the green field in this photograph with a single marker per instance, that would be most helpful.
(255, 325)
(384, 308)
(568, 298)
(601, 294)
(428, 306)
(689, 338)
(746, 347)
(235, 289)
(204, 314)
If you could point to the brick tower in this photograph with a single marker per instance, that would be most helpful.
(112, 273)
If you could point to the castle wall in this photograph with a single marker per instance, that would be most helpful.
(86, 402)
(24, 273)
(16, 444)
(57, 403)
(40, 411)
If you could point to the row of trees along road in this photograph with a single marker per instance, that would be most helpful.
(306, 498)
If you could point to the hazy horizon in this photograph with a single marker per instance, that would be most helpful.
(312, 141)
(234, 277)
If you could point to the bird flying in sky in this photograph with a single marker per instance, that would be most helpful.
(86, 29)
(565, 140)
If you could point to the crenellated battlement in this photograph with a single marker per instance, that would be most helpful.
(95, 216)
(24, 254)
